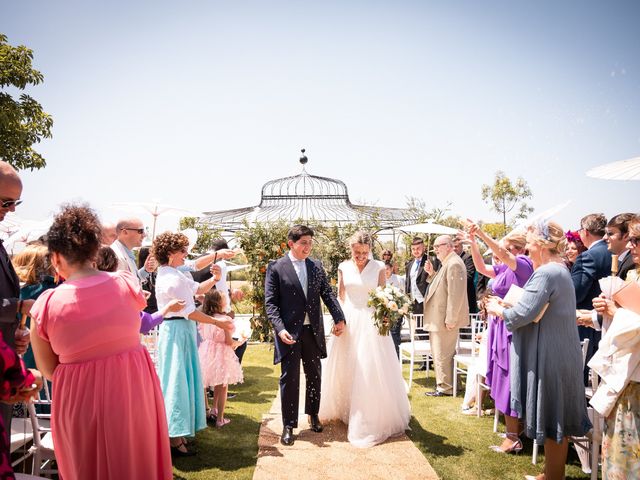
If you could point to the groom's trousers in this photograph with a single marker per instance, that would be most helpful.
(305, 349)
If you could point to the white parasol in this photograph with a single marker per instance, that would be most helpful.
(155, 209)
(620, 170)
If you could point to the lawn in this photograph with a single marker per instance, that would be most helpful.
(456, 445)
(231, 452)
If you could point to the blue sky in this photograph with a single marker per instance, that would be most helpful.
(198, 103)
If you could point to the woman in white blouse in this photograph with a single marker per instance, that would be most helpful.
(179, 368)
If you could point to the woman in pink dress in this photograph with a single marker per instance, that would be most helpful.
(219, 363)
(108, 416)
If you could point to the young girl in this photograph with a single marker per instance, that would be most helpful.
(218, 361)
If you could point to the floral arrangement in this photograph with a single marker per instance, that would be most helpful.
(389, 306)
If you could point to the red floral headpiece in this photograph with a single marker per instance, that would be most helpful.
(573, 237)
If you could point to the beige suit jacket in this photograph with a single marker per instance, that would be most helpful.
(446, 302)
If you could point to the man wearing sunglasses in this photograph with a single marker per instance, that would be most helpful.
(130, 233)
(10, 303)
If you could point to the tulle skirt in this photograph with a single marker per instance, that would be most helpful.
(362, 383)
(219, 364)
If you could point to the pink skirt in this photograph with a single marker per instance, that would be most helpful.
(108, 419)
(219, 364)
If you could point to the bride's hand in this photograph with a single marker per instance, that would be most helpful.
(338, 328)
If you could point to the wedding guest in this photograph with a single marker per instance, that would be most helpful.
(546, 387)
(392, 278)
(36, 275)
(590, 266)
(130, 233)
(415, 286)
(87, 340)
(220, 365)
(514, 268)
(10, 304)
(149, 283)
(445, 311)
(618, 363)
(178, 366)
(471, 274)
(574, 248)
(108, 235)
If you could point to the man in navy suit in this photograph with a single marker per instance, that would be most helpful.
(591, 265)
(293, 288)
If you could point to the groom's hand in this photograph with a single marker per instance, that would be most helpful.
(338, 328)
(286, 337)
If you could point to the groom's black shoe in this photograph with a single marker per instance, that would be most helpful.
(315, 424)
(287, 436)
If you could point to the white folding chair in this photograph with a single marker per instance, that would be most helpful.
(467, 349)
(42, 449)
(584, 344)
(417, 348)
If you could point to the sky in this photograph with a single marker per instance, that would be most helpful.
(197, 104)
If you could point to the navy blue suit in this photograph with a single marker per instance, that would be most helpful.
(286, 307)
(590, 266)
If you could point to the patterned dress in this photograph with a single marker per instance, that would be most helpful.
(14, 376)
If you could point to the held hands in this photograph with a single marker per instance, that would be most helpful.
(286, 337)
(175, 305)
(338, 328)
(605, 306)
(22, 337)
(495, 306)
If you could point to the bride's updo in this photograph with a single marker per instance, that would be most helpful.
(361, 237)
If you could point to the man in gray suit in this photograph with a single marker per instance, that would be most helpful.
(446, 309)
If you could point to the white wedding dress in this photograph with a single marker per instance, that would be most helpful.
(362, 384)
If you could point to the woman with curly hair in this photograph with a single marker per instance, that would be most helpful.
(179, 367)
(108, 415)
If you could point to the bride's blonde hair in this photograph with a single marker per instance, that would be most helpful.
(360, 237)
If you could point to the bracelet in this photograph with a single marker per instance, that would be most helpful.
(20, 302)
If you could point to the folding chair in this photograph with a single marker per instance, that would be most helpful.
(417, 348)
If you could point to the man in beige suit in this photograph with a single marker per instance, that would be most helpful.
(446, 309)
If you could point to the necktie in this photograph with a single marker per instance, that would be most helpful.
(302, 275)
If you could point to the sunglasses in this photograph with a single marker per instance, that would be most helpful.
(10, 203)
(139, 230)
(634, 241)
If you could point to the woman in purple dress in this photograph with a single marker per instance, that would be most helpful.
(516, 268)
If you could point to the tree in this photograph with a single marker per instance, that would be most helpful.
(23, 122)
(504, 195)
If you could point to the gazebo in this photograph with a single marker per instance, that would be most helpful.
(311, 198)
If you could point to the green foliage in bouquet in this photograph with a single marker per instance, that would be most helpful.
(389, 306)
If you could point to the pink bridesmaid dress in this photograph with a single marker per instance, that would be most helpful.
(108, 417)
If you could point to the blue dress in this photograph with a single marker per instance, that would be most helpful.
(546, 365)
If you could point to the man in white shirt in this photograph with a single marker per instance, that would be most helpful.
(131, 232)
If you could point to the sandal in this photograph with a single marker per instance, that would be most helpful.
(223, 422)
(212, 417)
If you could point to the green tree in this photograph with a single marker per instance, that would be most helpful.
(23, 122)
(504, 195)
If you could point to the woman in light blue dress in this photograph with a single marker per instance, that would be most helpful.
(178, 366)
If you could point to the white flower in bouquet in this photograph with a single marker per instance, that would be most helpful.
(393, 306)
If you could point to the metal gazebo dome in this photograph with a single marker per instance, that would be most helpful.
(309, 198)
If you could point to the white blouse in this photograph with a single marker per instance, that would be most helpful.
(172, 284)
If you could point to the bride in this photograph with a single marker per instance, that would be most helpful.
(362, 383)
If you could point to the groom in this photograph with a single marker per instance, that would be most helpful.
(293, 288)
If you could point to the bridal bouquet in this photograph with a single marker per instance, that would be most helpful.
(389, 306)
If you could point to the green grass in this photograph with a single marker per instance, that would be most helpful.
(456, 445)
(231, 452)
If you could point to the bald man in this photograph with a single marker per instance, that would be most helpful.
(130, 233)
(10, 303)
(446, 309)
(108, 234)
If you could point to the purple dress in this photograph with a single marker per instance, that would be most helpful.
(499, 338)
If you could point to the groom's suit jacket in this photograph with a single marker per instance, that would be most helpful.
(287, 305)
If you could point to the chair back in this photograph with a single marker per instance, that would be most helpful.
(584, 344)
(468, 341)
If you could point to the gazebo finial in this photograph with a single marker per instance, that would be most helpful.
(303, 159)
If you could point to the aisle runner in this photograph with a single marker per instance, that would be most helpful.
(329, 455)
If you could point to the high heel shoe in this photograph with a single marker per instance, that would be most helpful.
(534, 477)
(516, 445)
